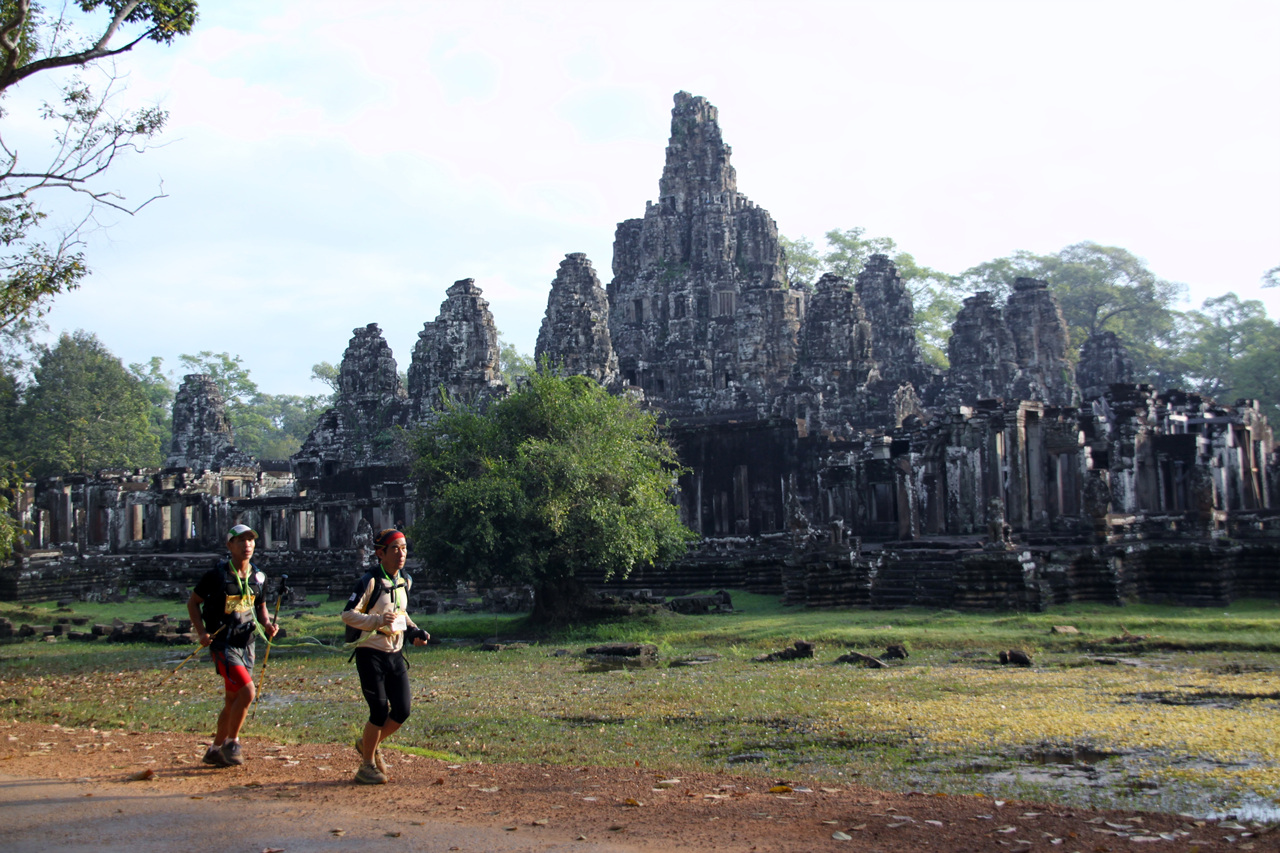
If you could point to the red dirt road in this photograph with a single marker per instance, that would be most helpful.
(71, 790)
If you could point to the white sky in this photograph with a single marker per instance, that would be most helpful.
(332, 164)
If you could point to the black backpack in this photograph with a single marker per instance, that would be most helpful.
(350, 634)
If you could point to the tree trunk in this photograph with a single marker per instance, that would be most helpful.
(562, 601)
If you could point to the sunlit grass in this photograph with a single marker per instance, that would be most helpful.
(1201, 724)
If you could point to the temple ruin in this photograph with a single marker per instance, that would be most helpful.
(828, 463)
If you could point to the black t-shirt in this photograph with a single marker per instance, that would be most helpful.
(226, 600)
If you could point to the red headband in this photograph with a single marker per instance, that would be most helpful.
(386, 537)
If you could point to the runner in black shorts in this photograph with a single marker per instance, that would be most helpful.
(226, 609)
(378, 608)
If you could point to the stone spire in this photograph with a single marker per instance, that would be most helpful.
(1104, 361)
(1040, 338)
(456, 352)
(202, 437)
(358, 431)
(700, 314)
(981, 352)
(889, 308)
(828, 382)
(368, 370)
(574, 338)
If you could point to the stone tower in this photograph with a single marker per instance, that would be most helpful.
(892, 315)
(1104, 362)
(701, 316)
(574, 338)
(358, 431)
(1040, 339)
(202, 437)
(456, 352)
(828, 383)
(981, 352)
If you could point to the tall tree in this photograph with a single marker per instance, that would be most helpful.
(160, 390)
(84, 411)
(556, 479)
(1234, 351)
(86, 134)
(1100, 288)
(803, 263)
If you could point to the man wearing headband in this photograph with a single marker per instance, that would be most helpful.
(378, 607)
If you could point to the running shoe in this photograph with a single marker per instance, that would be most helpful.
(231, 753)
(370, 775)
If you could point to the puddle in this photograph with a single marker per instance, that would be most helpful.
(1200, 698)
(1068, 755)
(1251, 809)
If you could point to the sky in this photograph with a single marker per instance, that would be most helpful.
(332, 164)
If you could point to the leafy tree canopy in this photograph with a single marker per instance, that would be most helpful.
(85, 134)
(513, 365)
(1232, 351)
(269, 426)
(84, 411)
(1100, 288)
(556, 479)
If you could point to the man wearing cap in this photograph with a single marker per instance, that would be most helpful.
(378, 608)
(227, 610)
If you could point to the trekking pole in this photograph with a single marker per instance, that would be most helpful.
(189, 657)
(267, 657)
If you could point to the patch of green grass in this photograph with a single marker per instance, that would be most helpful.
(949, 706)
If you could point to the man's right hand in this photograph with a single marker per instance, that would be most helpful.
(203, 637)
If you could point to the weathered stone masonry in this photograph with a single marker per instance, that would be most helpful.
(828, 463)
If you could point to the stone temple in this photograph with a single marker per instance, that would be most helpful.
(829, 463)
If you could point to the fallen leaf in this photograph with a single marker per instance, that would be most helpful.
(542, 821)
(840, 836)
(338, 832)
(632, 801)
(780, 789)
(668, 783)
(391, 834)
(142, 775)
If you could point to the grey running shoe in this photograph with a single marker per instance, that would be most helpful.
(370, 775)
(231, 753)
(213, 755)
(377, 755)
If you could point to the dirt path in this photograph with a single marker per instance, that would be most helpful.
(74, 790)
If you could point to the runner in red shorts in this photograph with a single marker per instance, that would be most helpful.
(226, 609)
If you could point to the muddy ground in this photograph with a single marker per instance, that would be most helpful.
(85, 789)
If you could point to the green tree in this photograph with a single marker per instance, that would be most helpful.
(556, 479)
(803, 263)
(268, 426)
(513, 365)
(86, 135)
(84, 411)
(160, 390)
(1234, 351)
(1100, 288)
(328, 375)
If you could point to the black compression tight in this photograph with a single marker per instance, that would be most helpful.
(384, 680)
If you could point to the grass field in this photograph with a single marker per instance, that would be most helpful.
(1164, 708)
